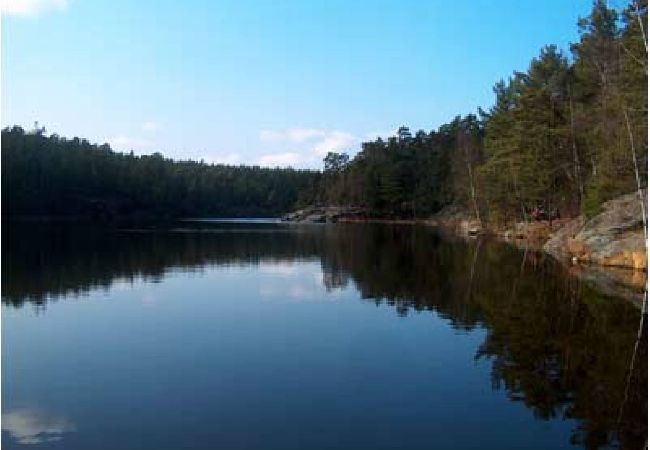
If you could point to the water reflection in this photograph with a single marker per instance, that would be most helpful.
(29, 426)
(555, 345)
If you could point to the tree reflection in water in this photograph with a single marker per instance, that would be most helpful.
(556, 345)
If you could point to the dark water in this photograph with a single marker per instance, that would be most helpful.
(270, 336)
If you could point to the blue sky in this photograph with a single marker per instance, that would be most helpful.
(263, 82)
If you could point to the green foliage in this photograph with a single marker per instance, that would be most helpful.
(54, 176)
(408, 175)
(564, 135)
(335, 161)
(592, 203)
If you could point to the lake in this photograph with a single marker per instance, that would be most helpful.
(260, 335)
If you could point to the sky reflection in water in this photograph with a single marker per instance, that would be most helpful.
(274, 336)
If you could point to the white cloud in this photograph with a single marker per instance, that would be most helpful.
(126, 143)
(373, 135)
(293, 135)
(31, 426)
(318, 141)
(32, 7)
(294, 281)
(334, 141)
(228, 158)
(150, 126)
(286, 159)
(312, 145)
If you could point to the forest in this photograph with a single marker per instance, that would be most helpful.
(57, 177)
(565, 135)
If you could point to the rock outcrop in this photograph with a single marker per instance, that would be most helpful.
(532, 230)
(456, 219)
(324, 214)
(615, 237)
(558, 243)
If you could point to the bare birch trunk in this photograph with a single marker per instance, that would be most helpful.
(471, 185)
(638, 18)
(473, 192)
(576, 160)
(636, 174)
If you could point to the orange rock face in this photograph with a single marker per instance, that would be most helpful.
(613, 238)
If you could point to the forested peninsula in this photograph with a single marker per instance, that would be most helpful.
(562, 138)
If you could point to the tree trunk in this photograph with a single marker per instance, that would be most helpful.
(636, 173)
(640, 20)
(473, 192)
(576, 160)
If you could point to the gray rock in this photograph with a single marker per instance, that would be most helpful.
(558, 243)
(324, 214)
(614, 237)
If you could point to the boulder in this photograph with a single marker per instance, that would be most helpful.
(560, 243)
(452, 218)
(322, 214)
(615, 237)
(315, 218)
(533, 230)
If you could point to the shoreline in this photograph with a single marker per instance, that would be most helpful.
(608, 250)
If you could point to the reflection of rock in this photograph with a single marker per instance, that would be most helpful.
(613, 281)
(453, 217)
(34, 426)
(471, 227)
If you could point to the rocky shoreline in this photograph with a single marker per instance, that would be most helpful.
(608, 249)
(323, 214)
(613, 238)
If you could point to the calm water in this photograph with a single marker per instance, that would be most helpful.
(272, 336)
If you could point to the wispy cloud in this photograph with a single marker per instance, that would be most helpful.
(290, 281)
(286, 159)
(228, 158)
(150, 126)
(32, 7)
(373, 135)
(34, 426)
(127, 143)
(308, 146)
(334, 141)
(293, 135)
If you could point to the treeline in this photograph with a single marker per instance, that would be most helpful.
(54, 176)
(565, 136)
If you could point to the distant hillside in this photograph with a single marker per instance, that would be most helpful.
(54, 176)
